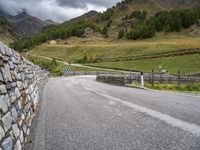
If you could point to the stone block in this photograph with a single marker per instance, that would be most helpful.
(12, 66)
(7, 121)
(18, 146)
(5, 59)
(3, 89)
(1, 77)
(7, 100)
(16, 130)
(17, 92)
(3, 105)
(20, 85)
(7, 72)
(13, 96)
(7, 144)
(21, 137)
(2, 133)
(20, 68)
(2, 51)
(14, 114)
(1, 62)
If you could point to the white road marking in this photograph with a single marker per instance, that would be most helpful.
(186, 126)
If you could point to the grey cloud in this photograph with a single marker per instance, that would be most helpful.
(57, 10)
(83, 3)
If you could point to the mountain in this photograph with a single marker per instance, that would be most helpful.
(50, 22)
(25, 23)
(89, 15)
(129, 19)
(7, 31)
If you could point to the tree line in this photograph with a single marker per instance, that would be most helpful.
(62, 31)
(173, 21)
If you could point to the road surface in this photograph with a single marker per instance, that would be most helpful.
(78, 113)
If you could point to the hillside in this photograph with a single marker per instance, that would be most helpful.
(25, 23)
(7, 31)
(132, 32)
(87, 16)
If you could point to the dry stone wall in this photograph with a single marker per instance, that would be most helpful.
(20, 86)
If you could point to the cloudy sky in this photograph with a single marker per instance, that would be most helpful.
(57, 10)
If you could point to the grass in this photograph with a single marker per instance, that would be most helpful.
(107, 48)
(194, 88)
(185, 64)
(6, 38)
(56, 69)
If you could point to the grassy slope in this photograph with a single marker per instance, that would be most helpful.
(115, 48)
(60, 66)
(185, 64)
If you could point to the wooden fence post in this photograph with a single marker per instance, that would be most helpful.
(130, 76)
(152, 79)
(179, 78)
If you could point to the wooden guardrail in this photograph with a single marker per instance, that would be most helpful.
(122, 78)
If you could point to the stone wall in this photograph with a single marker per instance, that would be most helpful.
(127, 78)
(20, 85)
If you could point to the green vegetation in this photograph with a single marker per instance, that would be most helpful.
(106, 49)
(7, 31)
(121, 34)
(141, 31)
(62, 31)
(190, 87)
(136, 14)
(172, 21)
(56, 68)
(185, 64)
(107, 23)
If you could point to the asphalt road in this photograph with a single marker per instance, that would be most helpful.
(78, 113)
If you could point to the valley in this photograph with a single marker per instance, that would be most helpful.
(117, 54)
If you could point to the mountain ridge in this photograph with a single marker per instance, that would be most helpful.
(25, 23)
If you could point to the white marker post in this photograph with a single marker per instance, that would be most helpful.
(142, 79)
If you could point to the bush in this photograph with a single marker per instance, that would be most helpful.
(141, 31)
(121, 34)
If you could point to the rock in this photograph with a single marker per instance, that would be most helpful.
(25, 128)
(3, 89)
(1, 62)
(21, 137)
(7, 144)
(7, 121)
(14, 84)
(13, 96)
(18, 146)
(12, 135)
(17, 92)
(8, 85)
(7, 100)
(7, 72)
(14, 114)
(12, 66)
(7, 51)
(2, 133)
(5, 58)
(2, 51)
(16, 130)
(20, 85)
(21, 68)
(1, 77)
(3, 105)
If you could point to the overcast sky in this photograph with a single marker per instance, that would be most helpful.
(57, 10)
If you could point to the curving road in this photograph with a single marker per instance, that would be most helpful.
(78, 113)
